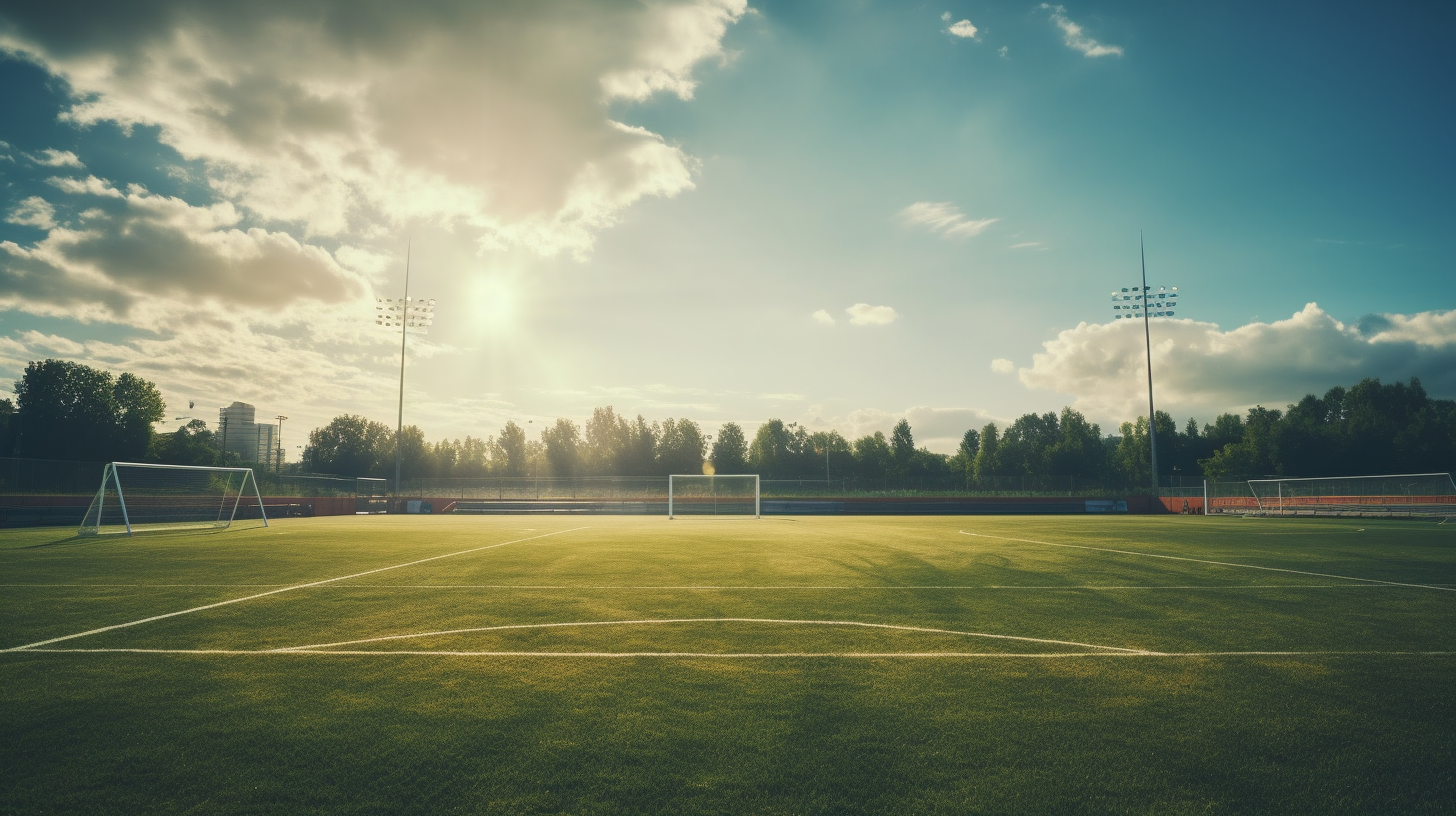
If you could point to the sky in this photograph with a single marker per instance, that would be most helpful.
(832, 213)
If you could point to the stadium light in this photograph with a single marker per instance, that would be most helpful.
(410, 316)
(1131, 303)
(278, 466)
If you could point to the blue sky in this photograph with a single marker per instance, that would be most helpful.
(831, 213)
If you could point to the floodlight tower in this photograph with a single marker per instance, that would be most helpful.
(279, 464)
(1132, 302)
(410, 316)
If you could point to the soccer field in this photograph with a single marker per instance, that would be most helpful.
(517, 664)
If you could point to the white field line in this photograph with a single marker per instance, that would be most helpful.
(277, 591)
(731, 587)
(709, 620)
(1009, 655)
(1218, 563)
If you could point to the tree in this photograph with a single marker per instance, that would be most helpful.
(680, 448)
(8, 426)
(72, 411)
(352, 445)
(902, 445)
(873, 458)
(561, 441)
(987, 466)
(191, 444)
(730, 450)
(417, 461)
(512, 445)
(1078, 454)
(773, 451)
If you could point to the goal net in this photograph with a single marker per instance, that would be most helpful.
(371, 496)
(695, 495)
(1408, 494)
(136, 497)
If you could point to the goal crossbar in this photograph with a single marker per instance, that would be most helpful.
(184, 503)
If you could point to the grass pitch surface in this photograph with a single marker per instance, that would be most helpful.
(523, 665)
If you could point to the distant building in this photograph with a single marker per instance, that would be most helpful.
(251, 441)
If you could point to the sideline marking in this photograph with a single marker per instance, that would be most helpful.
(1219, 563)
(1033, 655)
(276, 591)
(708, 620)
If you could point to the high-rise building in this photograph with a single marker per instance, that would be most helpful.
(251, 441)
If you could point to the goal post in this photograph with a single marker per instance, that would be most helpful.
(1401, 494)
(138, 497)
(698, 495)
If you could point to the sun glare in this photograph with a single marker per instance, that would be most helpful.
(494, 302)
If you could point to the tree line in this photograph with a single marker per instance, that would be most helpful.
(65, 410)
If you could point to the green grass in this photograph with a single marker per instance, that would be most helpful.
(1351, 710)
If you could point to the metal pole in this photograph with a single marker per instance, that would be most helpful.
(278, 466)
(399, 427)
(1148, 344)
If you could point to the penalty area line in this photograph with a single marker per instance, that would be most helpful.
(659, 621)
(277, 591)
(1217, 563)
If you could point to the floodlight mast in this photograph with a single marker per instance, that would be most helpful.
(408, 314)
(1142, 301)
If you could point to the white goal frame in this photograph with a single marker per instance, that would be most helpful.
(672, 488)
(1350, 496)
(225, 513)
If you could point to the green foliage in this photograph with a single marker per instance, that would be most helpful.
(71, 411)
(730, 449)
(191, 444)
(351, 445)
(561, 441)
(902, 445)
(681, 447)
(512, 442)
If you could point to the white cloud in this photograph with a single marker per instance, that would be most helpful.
(1028, 245)
(963, 29)
(346, 118)
(33, 212)
(132, 256)
(51, 157)
(1001, 365)
(863, 314)
(1075, 38)
(782, 397)
(945, 218)
(1201, 370)
(823, 316)
(1004, 50)
(1434, 329)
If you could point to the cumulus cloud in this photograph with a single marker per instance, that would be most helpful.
(132, 247)
(342, 116)
(823, 317)
(863, 314)
(33, 212)
(1001, 365)
(51, 157)
(945, 218)
(1075, 38)
(1201, 370)
(961, 28)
